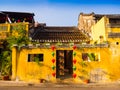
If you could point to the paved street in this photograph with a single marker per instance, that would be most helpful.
(58, 88)
(12, 85)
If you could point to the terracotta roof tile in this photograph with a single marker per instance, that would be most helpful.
(59, 34)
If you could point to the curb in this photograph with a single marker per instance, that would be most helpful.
(13, 83)
(57, 85)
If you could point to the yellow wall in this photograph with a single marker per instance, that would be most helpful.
(99, 29)
(103, 63)
(31, 71)
(109, 63)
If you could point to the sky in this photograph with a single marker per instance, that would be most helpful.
(60, 12)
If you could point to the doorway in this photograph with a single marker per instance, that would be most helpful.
(64, 64)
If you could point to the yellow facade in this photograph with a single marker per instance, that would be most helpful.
(108, 63)
(31, 70)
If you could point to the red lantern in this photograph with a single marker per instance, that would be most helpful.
(18, 20)
(53, 74)
(53, 60)
(74, 61)
(74, 75)
(53, 48)
(74, 47)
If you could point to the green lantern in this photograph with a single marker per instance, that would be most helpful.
(53, 67)
(53, 54)
(74, 68)
(74, 53)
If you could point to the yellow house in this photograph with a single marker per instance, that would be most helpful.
(68, 64)
(69, 54)
(51, 58)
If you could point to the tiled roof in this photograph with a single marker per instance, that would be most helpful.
(16, 16)
(111, 16)
(16, 13)
(59, 34)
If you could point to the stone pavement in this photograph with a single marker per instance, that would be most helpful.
(21, 83)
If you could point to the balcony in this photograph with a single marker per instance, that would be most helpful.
(5, 29)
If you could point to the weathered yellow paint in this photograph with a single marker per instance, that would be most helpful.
(31, 71)
(14, 62)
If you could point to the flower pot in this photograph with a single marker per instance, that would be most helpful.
(41, 80)
(86, 81)
(5, 77)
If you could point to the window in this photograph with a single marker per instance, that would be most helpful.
(35, 57)
(90, 57)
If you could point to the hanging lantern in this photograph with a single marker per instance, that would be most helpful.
(18, 20)
(74, 68)
(74, 61)
(31, 18)
(53, 48)
(74, 75)
(53, 74)
(53, 54)
(13, 19)
(74, 47)
(74, 53)
(53, 60)
(24, 18)
(53, 67)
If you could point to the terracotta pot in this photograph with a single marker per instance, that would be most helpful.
(5, 77)
(86, 81)
(41, 80)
